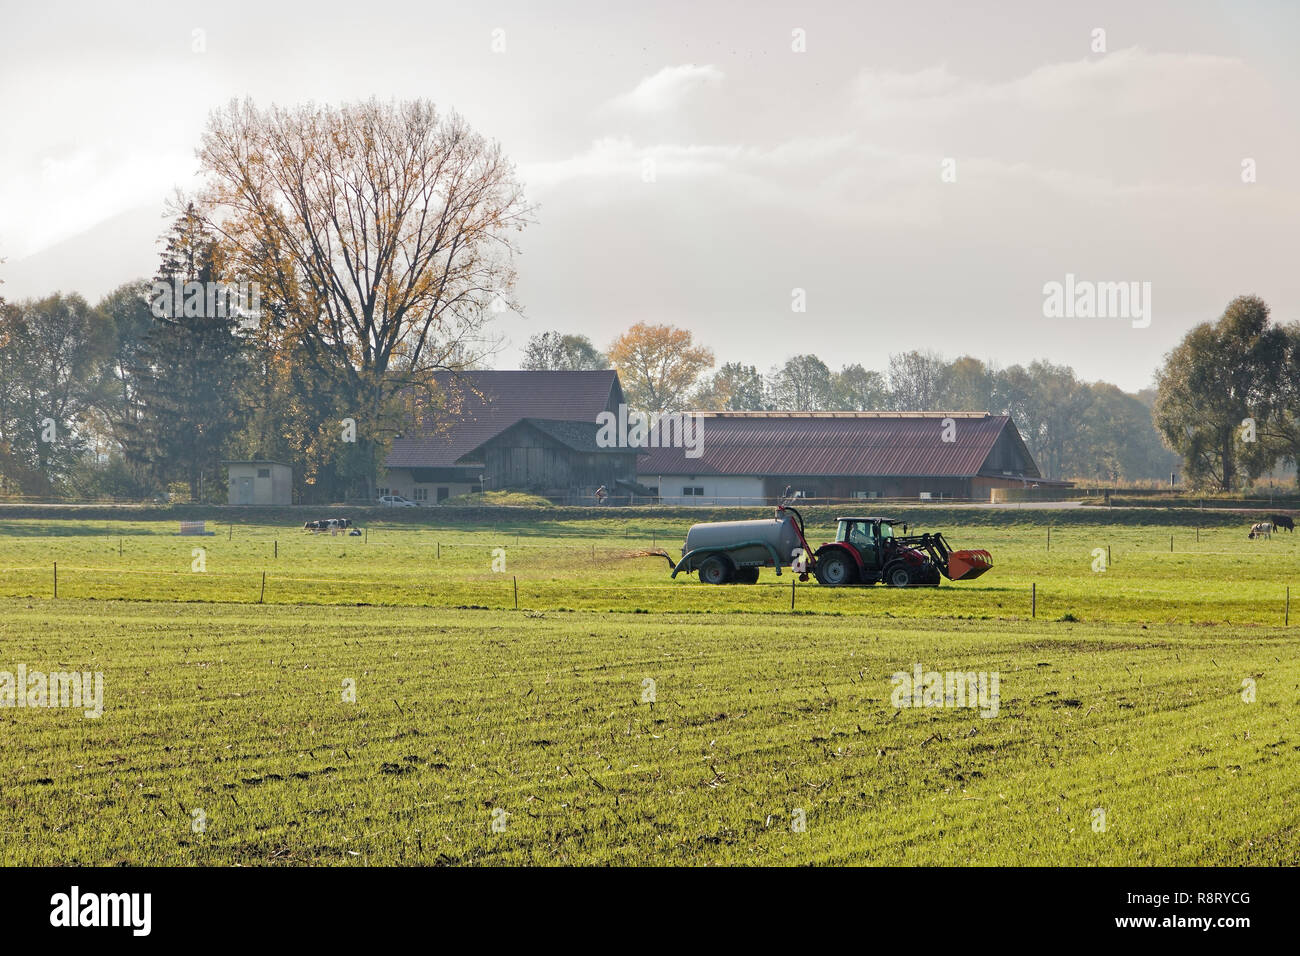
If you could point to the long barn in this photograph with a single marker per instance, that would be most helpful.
(752, 457)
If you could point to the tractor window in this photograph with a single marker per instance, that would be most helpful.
(856, 533)
(886, 530)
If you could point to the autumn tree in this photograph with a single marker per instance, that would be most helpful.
(1220, 375)
(658, 365)
(382, 230)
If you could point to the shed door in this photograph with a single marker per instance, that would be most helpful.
(244, 496)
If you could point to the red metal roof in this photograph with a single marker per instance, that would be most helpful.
(839, 443)
(485, 403)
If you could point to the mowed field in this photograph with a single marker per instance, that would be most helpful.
(620, 717)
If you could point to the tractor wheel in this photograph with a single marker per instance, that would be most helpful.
(834, 571)
(746, 576)
(899, 576)
(715, 569)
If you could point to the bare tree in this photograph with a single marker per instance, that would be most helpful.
(380, 234)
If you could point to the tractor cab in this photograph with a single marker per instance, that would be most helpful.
(868, 536)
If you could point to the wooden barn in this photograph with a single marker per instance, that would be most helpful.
(514, 431)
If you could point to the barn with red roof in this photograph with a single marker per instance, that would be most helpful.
(752, 457)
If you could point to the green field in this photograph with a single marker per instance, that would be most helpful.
(1124, 694)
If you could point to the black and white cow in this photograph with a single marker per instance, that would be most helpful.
(332, 525)
(1261, 529)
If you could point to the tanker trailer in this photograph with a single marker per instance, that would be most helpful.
(733, 551)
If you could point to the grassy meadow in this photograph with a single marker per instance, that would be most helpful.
(621, 717)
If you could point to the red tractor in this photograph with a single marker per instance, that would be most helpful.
(867, 551)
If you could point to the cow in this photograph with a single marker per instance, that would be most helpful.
(1282, 521)
(332, 525)
(1261, 529)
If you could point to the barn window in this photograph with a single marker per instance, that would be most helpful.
(695, 491)
(264, 472)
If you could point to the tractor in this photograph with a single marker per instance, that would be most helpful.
(868, 550)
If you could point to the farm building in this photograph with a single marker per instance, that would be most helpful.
(260, 482)
(751, 457)
(516, 431)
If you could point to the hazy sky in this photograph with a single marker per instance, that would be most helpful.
(774, 169)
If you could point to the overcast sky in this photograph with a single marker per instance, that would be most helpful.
(773, 169)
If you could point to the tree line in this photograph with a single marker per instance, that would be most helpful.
(1074, 429)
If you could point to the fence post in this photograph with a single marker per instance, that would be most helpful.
(1171, 544)
(1033, 600)
(1049, 537)
(1286, 616)
(792, 592)
(56, 579)
(515, 581)
(277, 547)
(261, 596)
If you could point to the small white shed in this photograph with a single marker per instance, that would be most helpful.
(260, 482)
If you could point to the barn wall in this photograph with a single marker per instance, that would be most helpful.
(1007, 455)
(714, 489)
(524, 459)
(869, 486)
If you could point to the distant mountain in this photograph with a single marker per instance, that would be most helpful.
(93, 262)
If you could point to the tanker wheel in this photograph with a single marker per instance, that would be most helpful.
(746, 576)
(715, 570)
(834, 571)
(899, 576)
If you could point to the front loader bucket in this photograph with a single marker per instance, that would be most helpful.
(968, 565)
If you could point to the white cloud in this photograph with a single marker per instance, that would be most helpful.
(1123, 82)
(668, 88)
